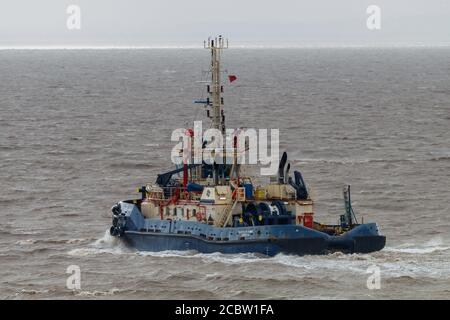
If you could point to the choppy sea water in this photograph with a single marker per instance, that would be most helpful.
(80, 129)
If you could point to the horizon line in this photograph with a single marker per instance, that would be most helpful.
(238, 46)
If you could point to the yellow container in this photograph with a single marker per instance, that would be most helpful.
(260, 193)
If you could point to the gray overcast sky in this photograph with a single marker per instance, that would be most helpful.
(188, 22)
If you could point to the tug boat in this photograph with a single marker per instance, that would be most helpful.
(217, 207)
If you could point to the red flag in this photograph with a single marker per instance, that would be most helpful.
(232, 78)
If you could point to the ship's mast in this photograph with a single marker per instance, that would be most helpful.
(215, 90)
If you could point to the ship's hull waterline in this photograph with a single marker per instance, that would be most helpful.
(147, 234)
(154, 242)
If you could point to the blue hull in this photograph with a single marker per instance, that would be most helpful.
(160, 235)
(160, 242)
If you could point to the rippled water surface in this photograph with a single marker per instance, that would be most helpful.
(79, 130)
